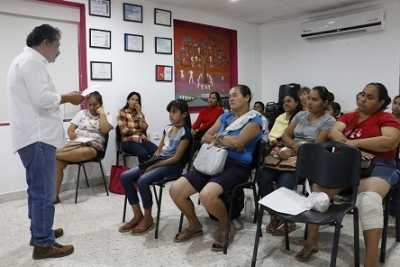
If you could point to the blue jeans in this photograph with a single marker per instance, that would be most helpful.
(143, 150)
(267, 176)
(144, 182)
(39, 160)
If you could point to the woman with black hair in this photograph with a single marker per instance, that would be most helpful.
(132, 125)
(310, 126)
(376, 134)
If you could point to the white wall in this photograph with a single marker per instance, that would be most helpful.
(344, 64)
(135, 72)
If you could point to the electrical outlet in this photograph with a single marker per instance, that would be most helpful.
(156, 136)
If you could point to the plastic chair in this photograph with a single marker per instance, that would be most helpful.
(163, 182)
(119, 151)
(338, 169)
(82, 164)
(386, 221)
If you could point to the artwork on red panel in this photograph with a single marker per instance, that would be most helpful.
(205, 59)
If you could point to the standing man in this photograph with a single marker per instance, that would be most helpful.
(37, 130)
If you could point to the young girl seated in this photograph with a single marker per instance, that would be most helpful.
(174, 152)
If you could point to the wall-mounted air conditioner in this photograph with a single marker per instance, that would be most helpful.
(367, 21)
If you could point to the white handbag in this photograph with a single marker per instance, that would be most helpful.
(210, 159)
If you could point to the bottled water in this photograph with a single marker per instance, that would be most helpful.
(248, 205)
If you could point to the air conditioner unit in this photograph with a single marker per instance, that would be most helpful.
(368, 21)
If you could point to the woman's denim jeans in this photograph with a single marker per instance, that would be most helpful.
(143, 182)
(39, 160)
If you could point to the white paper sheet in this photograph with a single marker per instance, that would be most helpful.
(81, 139)
(285, 201)
(91, 89)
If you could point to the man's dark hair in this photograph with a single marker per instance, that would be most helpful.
(41, 33)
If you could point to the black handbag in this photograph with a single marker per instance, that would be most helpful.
(367, 166)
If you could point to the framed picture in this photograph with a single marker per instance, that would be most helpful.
(133, 42)
(162, 17)
(100, 70)
(100, 8)
(100, 38)
(163, 73)
(163, 45)
(133, 13)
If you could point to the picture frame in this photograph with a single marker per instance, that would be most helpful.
(133, 42)
(164, 73)
(99, 38)
(100, 71)
(133, 12)
(162, 17)
(100, 8)
(163, 45)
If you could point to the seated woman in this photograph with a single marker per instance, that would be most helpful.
(206, 118)
(260, 108)
(306, 127)
(173, 151)
(376, 133)
(240, 143)
(90, 123)
(291, 106)
(333, 109)
(132, 125)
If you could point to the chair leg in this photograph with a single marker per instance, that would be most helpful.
(124, 213)
(305, 232)
(84, 170)
(158, 201)
(228, 223)
(104, 177)
(180, 223)
(77, 184)
(124, 160)
(286, 228)
(255, 197)
(117, 158)
(356, 238)
(398, 216)
(385, 228)
(335, 245)
(258, 235)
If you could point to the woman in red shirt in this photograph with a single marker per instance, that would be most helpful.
(207, 117)
(377, 134)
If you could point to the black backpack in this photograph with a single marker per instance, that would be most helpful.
(237, 205)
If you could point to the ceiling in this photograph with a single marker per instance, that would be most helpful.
(262, 11)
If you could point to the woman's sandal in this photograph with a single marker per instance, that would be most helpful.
(273, 224)
(280, 230)
(218, 245)
(127, 227)
(138, 230)
(305, 254)
(186, 235)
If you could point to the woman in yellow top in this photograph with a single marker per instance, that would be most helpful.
(133, 126)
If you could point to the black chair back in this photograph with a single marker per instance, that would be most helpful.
(118, 136)
(329, 164)
(255, 162)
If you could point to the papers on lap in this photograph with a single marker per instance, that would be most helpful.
(80, 140)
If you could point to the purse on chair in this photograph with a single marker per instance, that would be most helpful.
(210, 159)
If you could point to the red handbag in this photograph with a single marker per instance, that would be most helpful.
(115, 185)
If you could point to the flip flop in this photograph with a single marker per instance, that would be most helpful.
(280, 230)
(305, 254)
(186, 235)
(137, 230)
(218, 245)
(126, 227)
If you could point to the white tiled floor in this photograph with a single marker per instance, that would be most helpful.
(92, 227)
